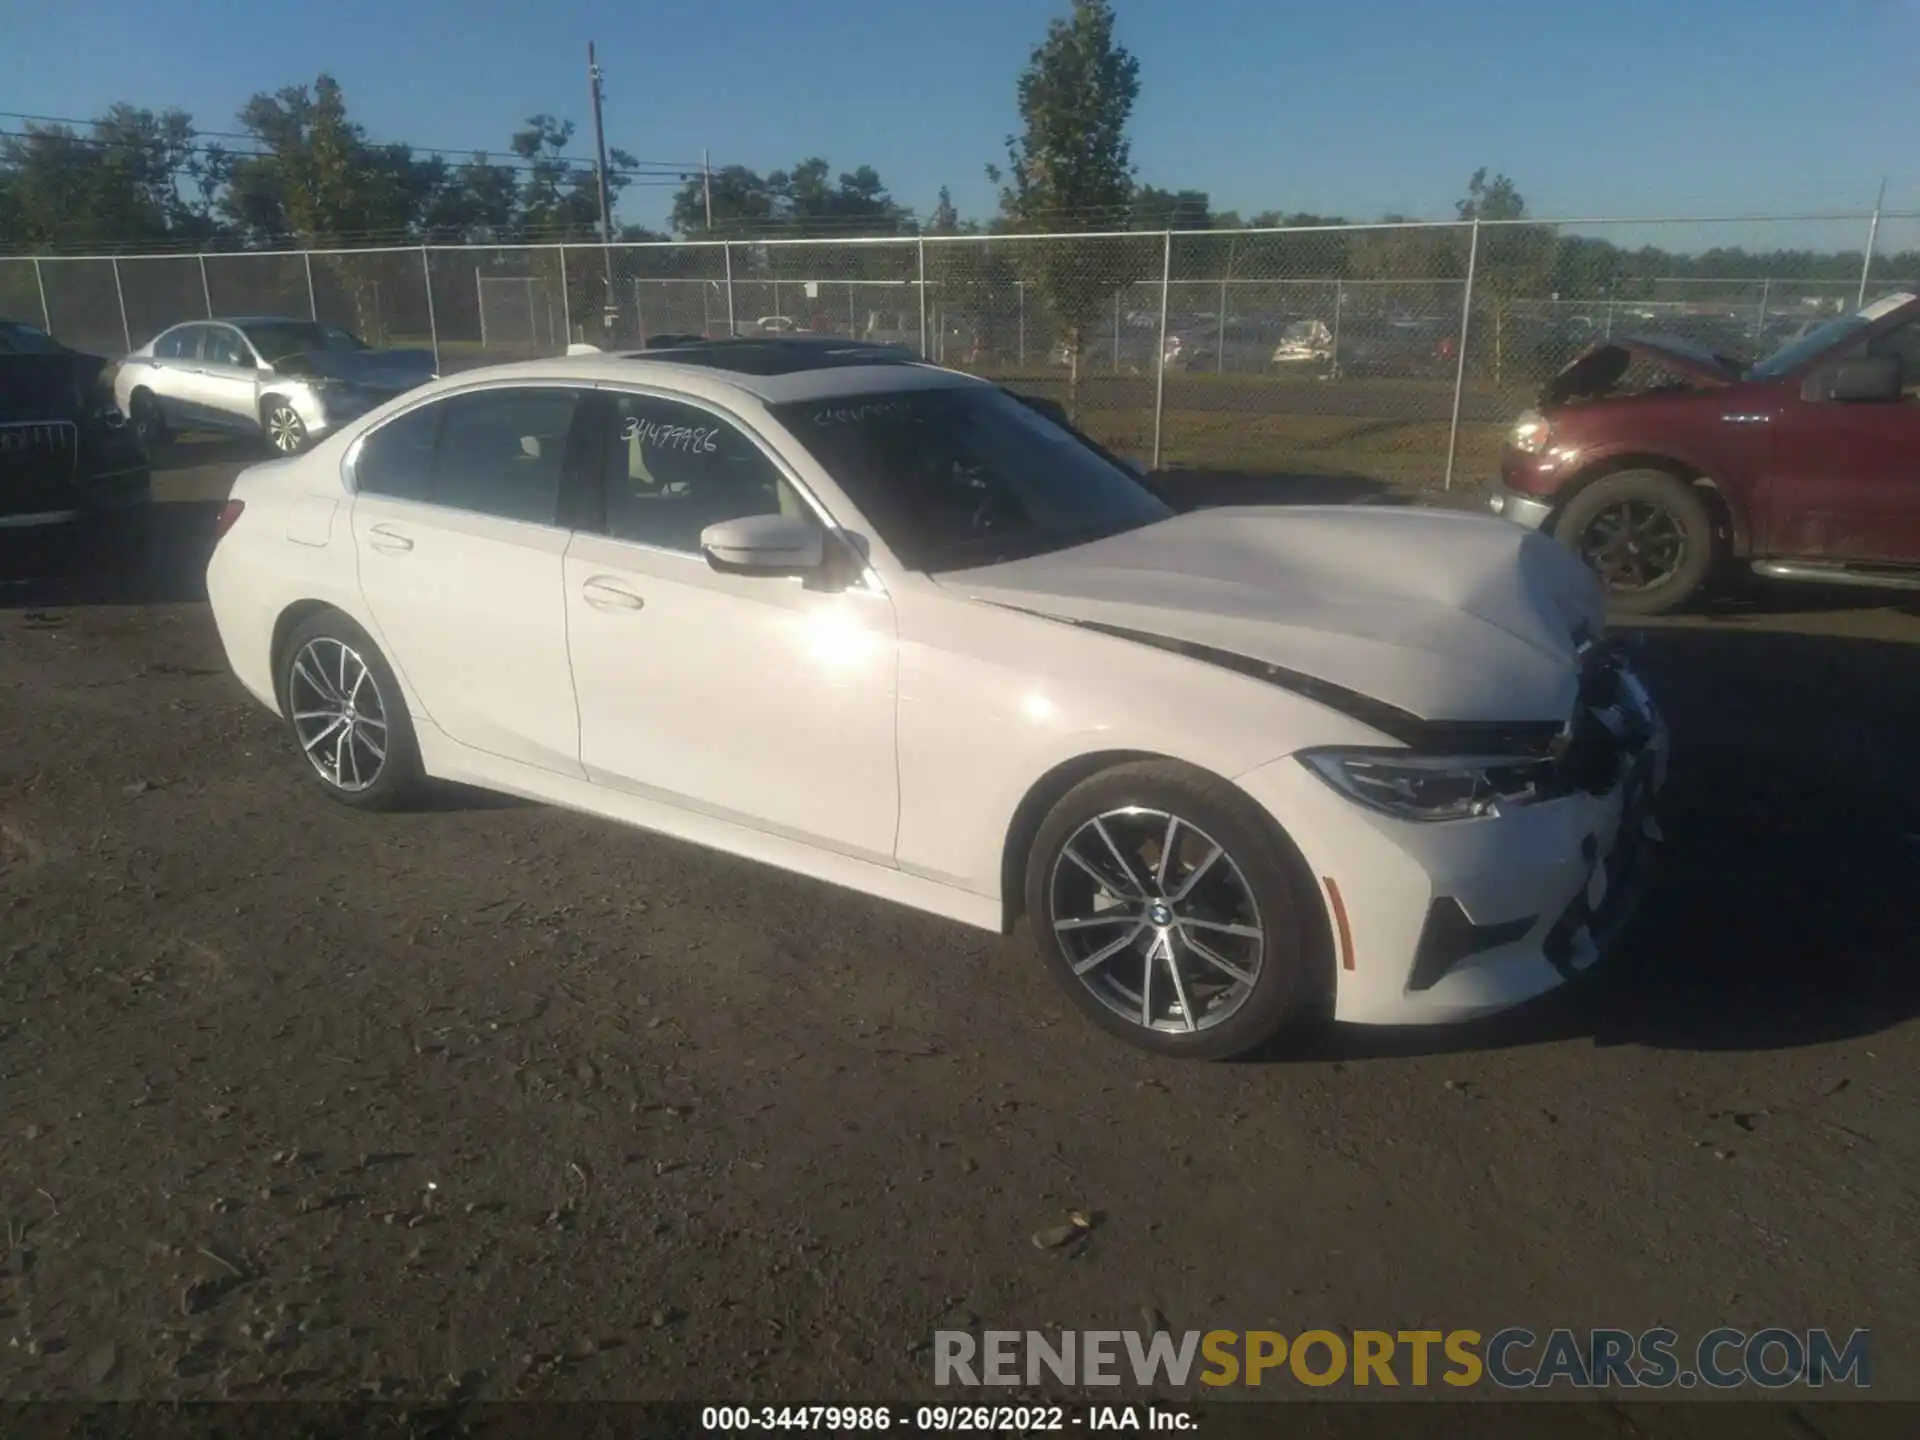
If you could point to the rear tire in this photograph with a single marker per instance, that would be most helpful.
(1648, 535)
(1204, 954)
(345, 712)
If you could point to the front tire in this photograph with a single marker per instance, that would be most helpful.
(281, 426)
(345, 712)
(1646, 533)
(1174, 914)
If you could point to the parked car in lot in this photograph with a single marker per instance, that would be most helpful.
(1238, 347)
(70, 464)
(892, 627)
(1305, 342)
(288, 381)
(1805, 465)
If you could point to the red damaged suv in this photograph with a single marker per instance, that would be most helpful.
(1659, 462)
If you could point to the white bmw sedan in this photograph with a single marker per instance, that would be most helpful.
(897, 629)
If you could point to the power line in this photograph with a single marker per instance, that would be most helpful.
(692, 166)
(681, 170)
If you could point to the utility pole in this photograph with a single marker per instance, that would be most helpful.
(706, 177)
(1873, 234)
(594, 76)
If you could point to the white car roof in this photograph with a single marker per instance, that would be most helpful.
(712, 381)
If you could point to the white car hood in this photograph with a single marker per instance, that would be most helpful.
(1447, 616)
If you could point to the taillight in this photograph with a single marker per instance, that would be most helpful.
(224, 521)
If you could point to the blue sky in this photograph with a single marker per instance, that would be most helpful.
(1632, 108)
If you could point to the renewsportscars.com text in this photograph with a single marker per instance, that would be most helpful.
(1511, 1359)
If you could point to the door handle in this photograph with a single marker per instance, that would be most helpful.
(389, 542)
(604, 594)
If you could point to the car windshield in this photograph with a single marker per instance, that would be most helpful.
(338, 339)
(18, 339)
(963, 476)
(1794, 354)
(277, 339)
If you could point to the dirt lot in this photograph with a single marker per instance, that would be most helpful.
(494, 1100)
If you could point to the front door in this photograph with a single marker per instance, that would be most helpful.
(749, 699)
(1846, 475)
(457, 520)
(227, 387)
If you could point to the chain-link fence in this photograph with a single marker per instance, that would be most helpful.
(1395, 352)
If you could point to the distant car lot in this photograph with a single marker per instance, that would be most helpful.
(412, 1089)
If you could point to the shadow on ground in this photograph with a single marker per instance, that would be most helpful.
(50, 570)
(1787, 908)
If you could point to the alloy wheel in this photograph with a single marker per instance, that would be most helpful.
(1156, 919)
(338, 713)
(285, 432)
(1634, 545)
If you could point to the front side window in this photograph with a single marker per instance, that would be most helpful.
(492, 452)
(968, 475)
(224, 347)
(671, 470)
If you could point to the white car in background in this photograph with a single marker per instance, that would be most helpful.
(287, 381)
(894, 628)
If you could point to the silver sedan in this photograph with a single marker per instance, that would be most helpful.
(288, 381)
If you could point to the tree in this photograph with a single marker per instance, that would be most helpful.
(559, 197)
(317, 176)
(1514, 261)
(140, 179)
(1155, 209)
(1071, 168)
(801, 202)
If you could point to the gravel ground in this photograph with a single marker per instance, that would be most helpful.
(497, 1101)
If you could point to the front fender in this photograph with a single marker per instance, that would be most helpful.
(992, 702)
(1604, 460)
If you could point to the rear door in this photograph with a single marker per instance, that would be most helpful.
(459, 518)
(173, 378)
(1846, 474)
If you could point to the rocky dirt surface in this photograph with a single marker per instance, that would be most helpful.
(490, 1100)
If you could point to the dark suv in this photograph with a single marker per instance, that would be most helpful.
(1657, 460)
(69, 462)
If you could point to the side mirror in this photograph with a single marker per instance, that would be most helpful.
(770, 545)
(1862, 378)
(1136, 465)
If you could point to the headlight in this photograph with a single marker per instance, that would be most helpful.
(1433, 787)
(1530, 433)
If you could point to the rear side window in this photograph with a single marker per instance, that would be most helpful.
(181, 344)
(397, 459)
(502, 452)
(492, 452)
